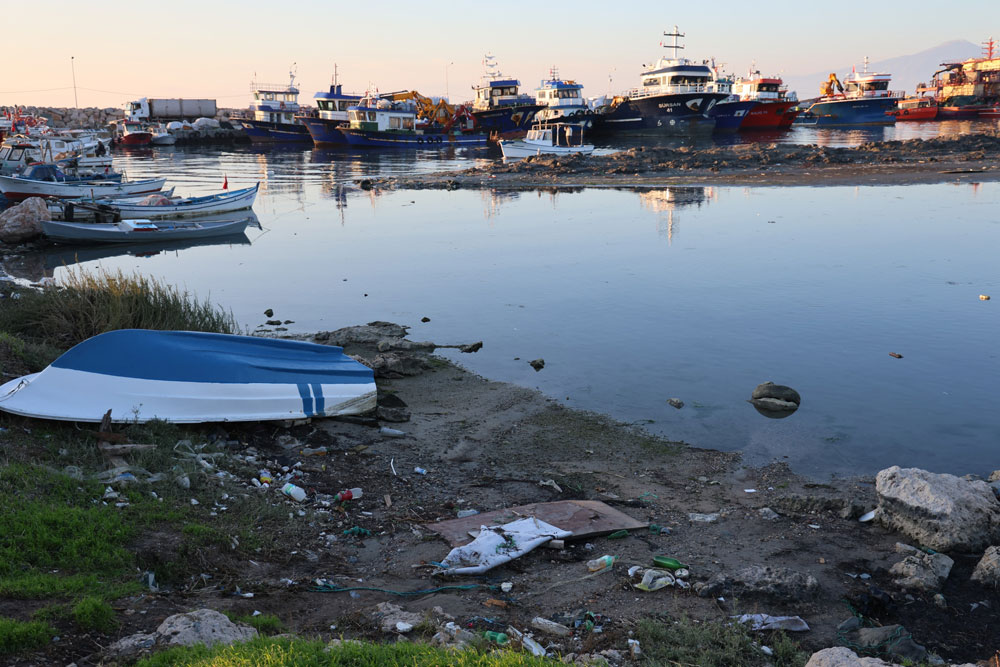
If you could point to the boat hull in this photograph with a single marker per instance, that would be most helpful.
(22, 188)
(917, 113)
(675, 114)
(265, 132)
(770, 116)
(380, 139)
(135, 139)
(325, 131)
(237, 200)
(506, 121)
(729, 116)
(512, 148)
(848, 112)
(167, 230)
(192, 377)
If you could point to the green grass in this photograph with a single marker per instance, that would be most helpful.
(306, 653)
(669, 642)
(18, 356)
(92, 613)
(85, 304)
(17, 636)
(266, 624)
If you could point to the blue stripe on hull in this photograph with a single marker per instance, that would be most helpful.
(266, 132)
(849, 112)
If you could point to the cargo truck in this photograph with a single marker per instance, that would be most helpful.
(169, 109)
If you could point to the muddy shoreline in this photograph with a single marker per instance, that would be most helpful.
(969, 158)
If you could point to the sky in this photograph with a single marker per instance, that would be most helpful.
(123, 51)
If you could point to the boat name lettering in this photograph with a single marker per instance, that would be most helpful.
(667, 105)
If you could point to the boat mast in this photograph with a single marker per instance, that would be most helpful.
(675, 46)
(989, 48)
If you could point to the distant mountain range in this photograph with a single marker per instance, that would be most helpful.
(906, 71)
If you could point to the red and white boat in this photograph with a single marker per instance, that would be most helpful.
(993, 112)
(776, 109)
(130, 133)
(915, 108)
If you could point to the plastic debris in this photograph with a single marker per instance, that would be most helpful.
(618, 534)
(550, 627)
(391, 432)
(867, 516)
(496, 637)
(633, 647)
(695, 517)
(668, 563)
(350, 494)
(420, 471)
(551, 483)
(506, 586)
(296, 493)
(766, 622)
(654, 580)
(358, 531)
(601, 564)
(464, 513)
(984, 297)
(496, 545)
(657, 529)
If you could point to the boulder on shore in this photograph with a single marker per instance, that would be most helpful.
(778, 583)
(939, 511)
(23, 222)
(988, 569)
(841, 656)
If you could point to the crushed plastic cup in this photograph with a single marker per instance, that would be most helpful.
(654, 580)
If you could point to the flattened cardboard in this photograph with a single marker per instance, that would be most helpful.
(585, 518)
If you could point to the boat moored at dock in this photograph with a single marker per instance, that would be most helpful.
(331, 115)
(864, 98)
(274, 110)
(17, 188)
(383, 123)
(548, 139)
(561, 100)
(916, 108)
(776, 108)
(499, 109)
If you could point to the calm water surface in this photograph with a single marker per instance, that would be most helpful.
(635, 297)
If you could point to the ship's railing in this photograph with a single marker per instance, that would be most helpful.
(670, 89)
(273, 88)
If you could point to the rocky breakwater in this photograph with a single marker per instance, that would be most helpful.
(76, 118)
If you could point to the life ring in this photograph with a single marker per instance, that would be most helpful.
(439, 139)
(420, 140)
(906, 112)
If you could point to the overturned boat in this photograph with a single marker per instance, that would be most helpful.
(191, 377)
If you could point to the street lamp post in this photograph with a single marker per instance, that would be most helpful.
(72, 64)
(447, 95)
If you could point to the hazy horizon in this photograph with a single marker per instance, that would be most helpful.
(194, 51)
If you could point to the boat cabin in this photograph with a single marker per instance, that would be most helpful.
(274, 102)
(378, 115)
(44, 172)
(333, 105)
(675, 75)
(499, 93)
(560, 97)
(763, 89)
(555, 134)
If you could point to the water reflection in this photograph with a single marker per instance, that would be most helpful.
(667, 200)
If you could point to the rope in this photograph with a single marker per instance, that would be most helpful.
(329, 588)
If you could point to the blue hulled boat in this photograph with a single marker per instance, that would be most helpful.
(331, 115)
(676, 98)
(730, 113)
(863, 99)
(382, 123)
(561, 101)
(499, 109)
(274, 110)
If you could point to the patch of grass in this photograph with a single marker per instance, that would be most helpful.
(18, 356)
(305, 653)
(709, 644)
(17, 636)
(266, 624)
(85, 304)
(92, 613)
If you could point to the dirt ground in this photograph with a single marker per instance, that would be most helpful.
(487, 445)
(966, 158)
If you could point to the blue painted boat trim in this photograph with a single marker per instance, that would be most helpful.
(188, 356)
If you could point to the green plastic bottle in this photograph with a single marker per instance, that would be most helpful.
(668, 563)
(496, 637)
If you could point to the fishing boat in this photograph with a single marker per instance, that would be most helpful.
(992, 112)
(776, 108)
(331, 114)
(160, 136)
(915, 108)
(966, 89)
(192, 377)
(143, 231)
(274, 110)
(131, 133)
(864, 98)
(17, 187)
(561, 100)
(499, 109)
(729, 113)
(675, 98)
(82, 153)
(548, 139)
(157, 206)
(383, 123)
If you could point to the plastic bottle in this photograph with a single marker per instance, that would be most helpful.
(296, 493)
(391, 432)
(602, 563)
(497, 637)
(350, 494)
(668, 563)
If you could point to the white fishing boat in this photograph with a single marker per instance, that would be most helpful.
(17, 188)
(192, 377)
(159, 136)
(548, 139)
(143, 231)
(157, 206)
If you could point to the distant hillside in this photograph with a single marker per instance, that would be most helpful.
(906, 71)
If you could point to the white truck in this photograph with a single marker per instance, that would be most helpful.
(169, 109)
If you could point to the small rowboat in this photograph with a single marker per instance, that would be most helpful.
(191, 377)
(22, 188)
(181, 207)
(548, 139)
(142, 231)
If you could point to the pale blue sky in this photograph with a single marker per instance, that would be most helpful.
(210, 49)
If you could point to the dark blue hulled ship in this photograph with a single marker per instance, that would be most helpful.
(331, 114)
(863, 99)
(730, 113)
(499, 109)
(675, 99)
(274, 112)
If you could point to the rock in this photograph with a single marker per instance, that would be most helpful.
(675, 403)
(988, 569)
(395, 365)
(202, 626)
(132, 646)
(392, 617)
(367, 335)
(922, 571)
(392, 408)
(23, 222)
(273, 323)
(768, 514)
(939, 511)
(425, 320)
(994, 476)
(775, 582)
(537, 364)
(776, 391)
(940, 601)
(841, 656)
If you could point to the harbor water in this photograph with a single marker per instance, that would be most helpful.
(632, 297)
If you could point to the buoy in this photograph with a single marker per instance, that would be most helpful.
(984, 297)
(895, 355)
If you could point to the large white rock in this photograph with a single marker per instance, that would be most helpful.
(922, 571)
(23, 222)
(841, 656)
(202, 626)
(988, 569)
(939, 511)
